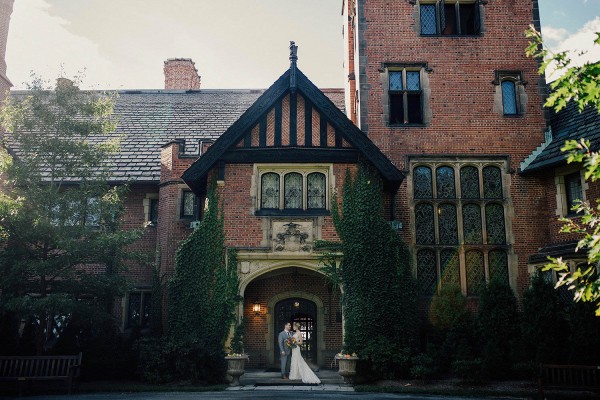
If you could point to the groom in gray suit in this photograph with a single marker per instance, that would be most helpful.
(285, 351)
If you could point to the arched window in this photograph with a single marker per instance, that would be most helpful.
(426, 272)
(422, 183)
(475, 272)
(292, 191)
(450, 268)
(494, 224)
(492, 182)
(448, 226)
(472, 224)
(469, 182)
(498, 265)
(316, 191)
(444, 177)
(269, 194)
(424, 224)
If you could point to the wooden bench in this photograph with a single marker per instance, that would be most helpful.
(576, 377)
(40, 368)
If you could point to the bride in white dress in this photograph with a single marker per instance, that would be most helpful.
(299, 369)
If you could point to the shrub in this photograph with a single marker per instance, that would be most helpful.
(498, 323)
(156, 360)
(423, 366)
(468, 370)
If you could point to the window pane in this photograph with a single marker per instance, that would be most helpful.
(450, 20)
(428, 20)
(573, 191)
(424, 224)
(396, 109)
(450, 270)
(422, 183)
(414, 108)
(499, 265)
(475, 272)
(494, 223)
(316, 190)
(133, 313)
(472, 224)
(269, 195)
(509, 99)
(92, 216)
(445, 183)
(426, 272)
(153, 217)
(467, 18)
(293, 190)
(413, 80)
(492, 183)
(447, 224)
(469, 182)
(188, 204)
(395, 80)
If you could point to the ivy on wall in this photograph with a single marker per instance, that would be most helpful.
(379, 301)
(202, 297)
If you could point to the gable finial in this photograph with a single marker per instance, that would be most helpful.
(293, 59)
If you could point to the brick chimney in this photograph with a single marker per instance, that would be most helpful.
(6, 8)
(181, 74)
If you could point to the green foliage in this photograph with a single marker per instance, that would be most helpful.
(544, 325)
(423, 366)
(202, 297)
(470, 371)
(237, 342)
(379, 300)
(583, 341)
(581, 84)
(156, 360)
(498, 322)
(58, 215)
(156, 300)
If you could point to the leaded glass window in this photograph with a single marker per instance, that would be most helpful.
(426, 272)
(292, 190)
(404, 97)
(422, 183)
(452, 18)
(428, 19)
(509, 98)
(424, 224)
(138, 309)
(494, 224)
(573, 191)
(498, 265)
(475, 272)
(269, 197)
(492, 183)
(466, 243)
(447, 224)
(469, 182)
(445, 183)
(472, 224)
(450, 267)
(316, 190)
(189, 203)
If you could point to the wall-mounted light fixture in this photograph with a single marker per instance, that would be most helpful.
(256, 308)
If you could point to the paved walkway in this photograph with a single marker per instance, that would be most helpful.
(263, 381)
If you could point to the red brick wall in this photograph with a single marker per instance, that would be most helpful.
(181, 74)
(464, 121)
(262, 290)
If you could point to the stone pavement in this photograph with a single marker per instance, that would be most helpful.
(260, 380)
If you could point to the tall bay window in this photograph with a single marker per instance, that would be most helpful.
(459, 211)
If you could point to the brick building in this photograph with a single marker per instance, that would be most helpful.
(440, 99)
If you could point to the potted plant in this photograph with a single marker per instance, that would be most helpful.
(347, 365)
(236, 359)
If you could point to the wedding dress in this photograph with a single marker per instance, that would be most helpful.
(299, 369)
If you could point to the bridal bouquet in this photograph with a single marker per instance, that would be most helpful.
(291, 342)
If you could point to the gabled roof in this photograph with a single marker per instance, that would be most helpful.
(195, 176)
(567, 124)
(148, 119)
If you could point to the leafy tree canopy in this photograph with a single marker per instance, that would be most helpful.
(62, 246)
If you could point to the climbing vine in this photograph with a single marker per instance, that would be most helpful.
(202, 297)
(379, 289)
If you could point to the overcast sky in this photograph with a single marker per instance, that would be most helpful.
(235, 43)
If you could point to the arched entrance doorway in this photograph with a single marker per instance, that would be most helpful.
(304, 312)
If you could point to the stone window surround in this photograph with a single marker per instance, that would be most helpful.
(282, 169)
(425, 91)
(146, 202)
(417, 16)
(125, 305)
(521, 95)
(456, 163)
(561, 194)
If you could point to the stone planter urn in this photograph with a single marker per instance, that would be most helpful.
(347, 367)
(236, 365)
